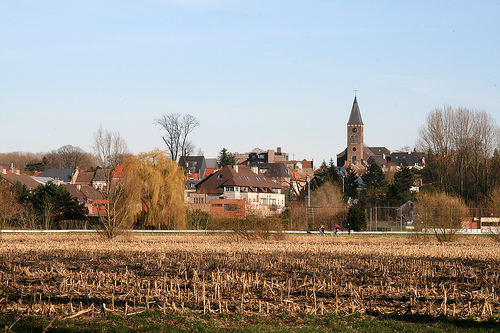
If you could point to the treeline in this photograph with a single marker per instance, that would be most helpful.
(462, 153)
(65, 157)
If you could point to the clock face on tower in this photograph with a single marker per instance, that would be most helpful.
(354, 130)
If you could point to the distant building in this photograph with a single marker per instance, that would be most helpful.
(358, 156)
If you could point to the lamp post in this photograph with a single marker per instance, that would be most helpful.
(308, 192)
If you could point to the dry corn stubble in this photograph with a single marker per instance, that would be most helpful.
(83, 275)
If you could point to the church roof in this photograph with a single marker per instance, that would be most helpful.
(355, 118)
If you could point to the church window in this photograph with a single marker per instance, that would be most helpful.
(354, 139)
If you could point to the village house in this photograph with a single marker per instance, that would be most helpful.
(261, 195)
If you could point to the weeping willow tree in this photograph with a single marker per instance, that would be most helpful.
(158, 182)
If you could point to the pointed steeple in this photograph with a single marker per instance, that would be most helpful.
(355, 118)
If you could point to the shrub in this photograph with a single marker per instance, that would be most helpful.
(253, 227)
(442, 214)
(199, 219)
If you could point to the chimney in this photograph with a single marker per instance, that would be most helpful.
(255, 170)
(270, 156)
(235, 168)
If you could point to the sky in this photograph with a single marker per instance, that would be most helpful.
(256, 74)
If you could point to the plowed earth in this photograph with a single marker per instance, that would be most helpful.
(81, 275)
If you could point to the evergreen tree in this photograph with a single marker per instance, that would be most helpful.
(356, 217)
(400, 188)
(375, 185)
(53, 203)
(351, 184)
(374, 177)
(326, 173)
(226, 158)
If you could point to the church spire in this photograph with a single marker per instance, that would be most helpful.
(355, 118)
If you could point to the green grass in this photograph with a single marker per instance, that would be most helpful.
(192, 322)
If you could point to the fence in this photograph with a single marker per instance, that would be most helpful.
(383, 219)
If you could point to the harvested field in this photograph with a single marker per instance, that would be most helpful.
(83, 275)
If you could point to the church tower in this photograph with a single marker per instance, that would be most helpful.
(355, 135)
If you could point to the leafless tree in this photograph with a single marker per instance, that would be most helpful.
(461, 142)
(70, 157)
(435, 138)
(9, 207)
(19, 159)
(177, 129)
(110, 150)
(441, 214)
(28, 218)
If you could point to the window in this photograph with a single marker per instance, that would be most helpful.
(220, 176)
(354, 139)
(230, 207)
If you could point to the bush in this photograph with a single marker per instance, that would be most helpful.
(253, 227)
(442, 214)
(199, 220)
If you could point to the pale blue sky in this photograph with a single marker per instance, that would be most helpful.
(255, 73)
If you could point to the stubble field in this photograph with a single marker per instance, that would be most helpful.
(82, 275)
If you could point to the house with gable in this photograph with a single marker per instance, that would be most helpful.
(261, 195)
(196, 168)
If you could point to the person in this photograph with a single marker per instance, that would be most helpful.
(336, 228)
(322, 229)
(348, 227)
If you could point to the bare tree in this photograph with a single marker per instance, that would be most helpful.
(333, 209)
(9, 207)
(435, 138)
(19, 159)
(460, 144)
(110, 150)
(441, 214)
(70, 157)
(177, 129)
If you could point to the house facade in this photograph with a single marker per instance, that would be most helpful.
(259, 193)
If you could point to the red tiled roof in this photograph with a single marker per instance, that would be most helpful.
(209, 171)
(193, 176)
(305, 164)
(84, 177)
(119, 171)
